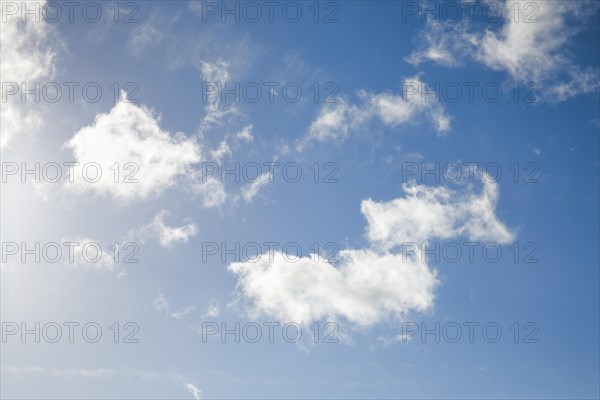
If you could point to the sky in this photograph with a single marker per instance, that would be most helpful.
(345, 199)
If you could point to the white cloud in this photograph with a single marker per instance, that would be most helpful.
(246, 134)
(145, 35)
(373, 284)
(333, 123)
(443, 43)
(214, 75)
(29, 52)
(194, 391)
(152, 33)
(534, 50)
(90, 253)
(17, 119)
(336, 120)
(84, 373)
(395, 110)
(366, 287)
(529, 50)
(100, 373)
(168, 236)
(162, 305)
(251, 190)
(215, 72)
(212, 310)
(221, 152)
(211, 192)
(427, 213)
(184, 312)
(132, 134)
(401, 338)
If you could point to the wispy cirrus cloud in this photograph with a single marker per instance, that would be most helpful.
(162, 305)
(108, 373)
(336, 121)
(167, 235)
(532, 44)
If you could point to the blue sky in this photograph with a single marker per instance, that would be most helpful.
(378, 59)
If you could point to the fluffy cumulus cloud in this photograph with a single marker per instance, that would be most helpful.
(29, 51)
(167, 235)
(531, 45)
(376, 283)
(149, 158)
(365, 288)
(427, 213)
(337, 120)
(139, 159)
